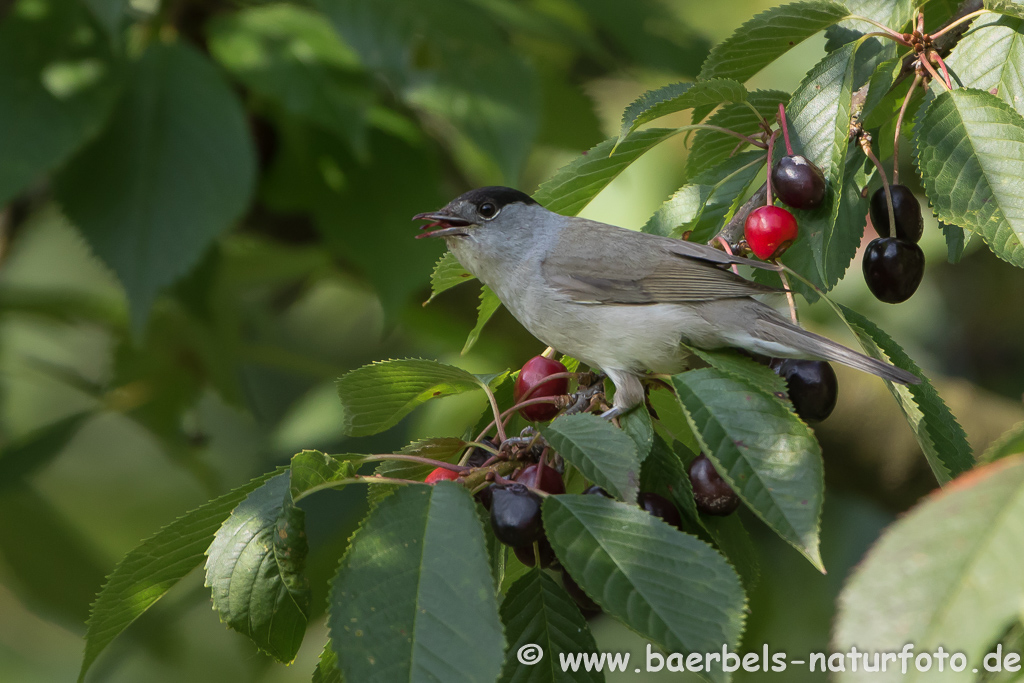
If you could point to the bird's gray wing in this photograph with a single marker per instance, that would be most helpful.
(625, 267)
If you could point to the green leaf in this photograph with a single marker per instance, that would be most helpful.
(764, 452)
(315, 470)
(489, 304)
(20, 458)
(604, 454)
(738, 366)
(878, 88)
(292, 57)
(377, 396)
(702, 206)
(1010, 443)
(956, 241)
(1008, 7)
(327, 666)
(447, 273)
(665, 473)
(667, 586)
(711, 148)
(154, 566)
(413, 599)
(173, 170)
(947, 573)
(819, 116)
(255, 568)
(537, 611)
(941, 437)
(58, 81)
(579, 181)
(969, 148)
(677, 97)
(989, 57)
(446, 449)
(109, 14)
(768, 36)
(638, 425)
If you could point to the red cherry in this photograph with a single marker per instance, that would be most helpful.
(770, 230)
(440, 474)
(546, 479)
(531, 384)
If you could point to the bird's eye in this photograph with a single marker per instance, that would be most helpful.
(488, 210)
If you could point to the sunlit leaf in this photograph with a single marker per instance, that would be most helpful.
(447, 273)
(489, 304)
(677, 97)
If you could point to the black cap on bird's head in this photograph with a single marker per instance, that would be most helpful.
(472, 208)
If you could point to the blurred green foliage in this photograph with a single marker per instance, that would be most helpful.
(205, 221)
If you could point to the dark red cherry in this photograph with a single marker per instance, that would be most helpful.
(769, 231)
(798, 183)
(515, 515)
(596, 490)
(893, 269)
(813, 386)
(660, 507)
(533, 383)
(711, 493)
(545, 479)
(906, 210)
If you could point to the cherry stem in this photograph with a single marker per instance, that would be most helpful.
(484, 445)
(878, 34)
(895, 35)
(358, 479)
(785, 131)
(789, 293)
(771, 145)
(966, 17)
(866, 146)
(761, 119)
(942, 65)
(728, 250)
(553, 376)
(704, 126)
(494, 409)
(934, 74)
(899, 127)
(920, 22)
(416, 458)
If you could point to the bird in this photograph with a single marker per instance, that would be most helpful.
(621, 301)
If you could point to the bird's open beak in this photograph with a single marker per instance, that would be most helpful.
(449, 225)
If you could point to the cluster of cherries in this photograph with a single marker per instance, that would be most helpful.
(769, 230)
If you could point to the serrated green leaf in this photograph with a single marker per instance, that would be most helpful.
(401, 609)
(1007, 7)
(677, 97)
(292, 57)
(956, 241)
(149, 207)
(665, 473)
(604, 454)
(969, 148)
(377, 396)
(1010, 443)
(313, 470)
(638, 425)
(668, 586)
(327, 670)
(574, 185)
(254, 570)
(941, 437)
(878, 87)
(768, 36)
(991, 57)
(537, 611)
(711, 148)
(897, 14)
(819, 116)
(58, 81)
(489, 304)
(154, 566)
(703, 205)
(738, 366)
(963, 596)
(448, 272)
(446, 449)
(764, 452)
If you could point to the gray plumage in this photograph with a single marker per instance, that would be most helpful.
(619, 300)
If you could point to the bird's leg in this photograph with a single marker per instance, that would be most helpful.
(629, 393)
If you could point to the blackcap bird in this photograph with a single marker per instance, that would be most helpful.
(619, 300)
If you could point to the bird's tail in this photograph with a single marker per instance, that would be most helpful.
(787, 339)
